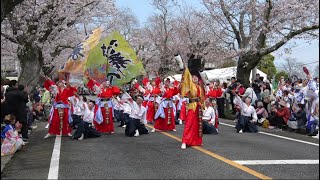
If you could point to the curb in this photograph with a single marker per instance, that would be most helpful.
(4, 161)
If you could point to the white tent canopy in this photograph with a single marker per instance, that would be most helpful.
(226, 73)
(176, 76)
(221, 74)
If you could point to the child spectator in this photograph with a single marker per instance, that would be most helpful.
(11, 142)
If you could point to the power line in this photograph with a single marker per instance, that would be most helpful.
(300, 64)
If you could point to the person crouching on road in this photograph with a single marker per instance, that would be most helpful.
(248, 117)
(209, 116)
(88, 117)
(137, 121)
(77, 116)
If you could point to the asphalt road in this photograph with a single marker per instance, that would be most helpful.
(158, 156)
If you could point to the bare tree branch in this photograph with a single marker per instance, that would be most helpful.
(241, 29)
(234, 28)
(292, 34)
(9, 38)
(263, 34)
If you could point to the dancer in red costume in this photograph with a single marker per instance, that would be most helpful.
(146, 90)
(60, 114)
(211, 92)
(103, 109)
(192, 134)
(165, 115)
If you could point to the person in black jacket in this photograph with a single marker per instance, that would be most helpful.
(8, 107)
(22, 111)
(301, 116)
(15, 104)
(230, 89)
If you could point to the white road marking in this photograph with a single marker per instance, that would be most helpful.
(268, 162)
(227, 124)
(54, 165)
(283, 137)
(274, 135)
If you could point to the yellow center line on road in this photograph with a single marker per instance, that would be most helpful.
(214, 155)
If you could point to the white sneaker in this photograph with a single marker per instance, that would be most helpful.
(183, 146)
(47, 126)
(137, 133)
(33, 127)
(48, 135)
(124, 126)
(153, 130)
(81, 138)
(241, 131)
(180, 121)
(236, 120)
(69, 134)
(174, 130)
(217, 130)
(271, 127)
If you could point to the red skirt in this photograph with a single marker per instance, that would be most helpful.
(144, 103)
(163, 124)
(104, 127)
(191, 129)
(216, 123)
(54, 127)
(183, 112)
(150, 112)
(159, 123)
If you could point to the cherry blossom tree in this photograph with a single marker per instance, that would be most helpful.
(193, 30)
(178, 28)
(159, 30)
(256, 28)
(43, 30)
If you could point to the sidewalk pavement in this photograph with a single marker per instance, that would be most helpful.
(6, 159)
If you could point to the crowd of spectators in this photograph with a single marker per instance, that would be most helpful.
(288, 105)
(19, 112)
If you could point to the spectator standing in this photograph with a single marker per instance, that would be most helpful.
(36, 95)
(256, 85)
(232, 88)
(15, 104)
(46, 102)
(21, 113)
(220, 99)
(251, 94)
